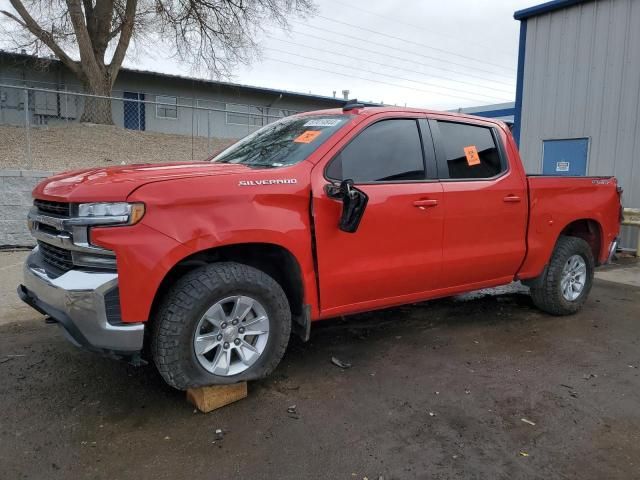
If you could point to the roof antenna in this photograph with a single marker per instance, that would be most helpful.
(352, 105)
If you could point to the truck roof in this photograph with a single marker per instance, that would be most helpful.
(366, 111)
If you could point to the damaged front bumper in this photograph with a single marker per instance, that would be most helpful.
(85, 304)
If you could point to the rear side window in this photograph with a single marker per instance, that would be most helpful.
(386, 151)
(470, 151)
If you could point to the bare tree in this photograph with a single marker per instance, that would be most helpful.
(211, 35)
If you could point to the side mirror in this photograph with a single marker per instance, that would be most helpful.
(354, 202)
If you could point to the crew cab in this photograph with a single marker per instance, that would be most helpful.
(208, 267)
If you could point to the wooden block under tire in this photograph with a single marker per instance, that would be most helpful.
(207, 399)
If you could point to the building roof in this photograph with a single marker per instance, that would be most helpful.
(495, 110)
(545, 8)
(271, 91)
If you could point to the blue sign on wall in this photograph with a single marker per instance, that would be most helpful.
(565, 157)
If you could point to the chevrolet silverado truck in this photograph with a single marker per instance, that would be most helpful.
(209, 267)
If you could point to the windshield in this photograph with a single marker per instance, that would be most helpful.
(282, 143)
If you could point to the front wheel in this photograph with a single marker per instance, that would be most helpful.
(568, 278)
(221, 323)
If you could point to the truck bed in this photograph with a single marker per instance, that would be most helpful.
(555, 202)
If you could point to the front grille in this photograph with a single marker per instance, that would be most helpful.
(112, 306)
(55, 208)
(56, 257)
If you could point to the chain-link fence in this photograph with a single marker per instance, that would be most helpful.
(54, 130)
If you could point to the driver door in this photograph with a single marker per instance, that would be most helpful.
(395, 254)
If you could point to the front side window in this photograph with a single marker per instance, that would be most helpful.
(283, 143)
(470, 150)
(167, 107)
(386, 151)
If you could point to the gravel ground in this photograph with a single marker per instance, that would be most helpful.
(76, 146)
(11, 308)
(437, 390)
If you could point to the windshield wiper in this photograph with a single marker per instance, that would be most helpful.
(260, 165)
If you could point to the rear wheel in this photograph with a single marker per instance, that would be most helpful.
(222, 323)
(568, 278)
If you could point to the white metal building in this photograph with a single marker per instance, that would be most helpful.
(578, 92)
(499, 111)
(222, 109)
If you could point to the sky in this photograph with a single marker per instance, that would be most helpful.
(421, 53)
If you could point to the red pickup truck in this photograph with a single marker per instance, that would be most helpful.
(210, 266)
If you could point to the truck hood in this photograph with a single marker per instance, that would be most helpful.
(114, 184)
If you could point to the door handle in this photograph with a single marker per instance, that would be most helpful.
(511, 199)
(422, 204)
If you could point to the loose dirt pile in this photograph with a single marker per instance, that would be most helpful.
(73, 146)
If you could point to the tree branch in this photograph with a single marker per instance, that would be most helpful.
(123, 42)
(103, 16)
(45, 37)
(88, 13)
(14, 18)
(85, 46)
(210, 34)
(115, 32)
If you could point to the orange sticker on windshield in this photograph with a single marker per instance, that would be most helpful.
(308, 136)
(471, 152)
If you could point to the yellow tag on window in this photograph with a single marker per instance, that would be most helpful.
(471, 152)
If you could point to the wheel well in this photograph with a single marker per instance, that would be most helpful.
(589, 231)
(274, 260)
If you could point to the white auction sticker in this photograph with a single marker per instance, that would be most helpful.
(323, 122)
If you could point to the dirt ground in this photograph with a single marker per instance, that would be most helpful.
(74, 146)
(436, 390)
(11, 308)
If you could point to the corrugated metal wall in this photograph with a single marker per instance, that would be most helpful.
(582, 79)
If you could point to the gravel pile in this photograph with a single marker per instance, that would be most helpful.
(60, 148)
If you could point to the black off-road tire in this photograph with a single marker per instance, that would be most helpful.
(188, 300)
(547, 292)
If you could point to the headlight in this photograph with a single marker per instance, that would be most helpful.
(113, 213)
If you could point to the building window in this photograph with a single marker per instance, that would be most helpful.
(285, 113)
(46, 103)
(470, 150)
(169, 107)
(250, 115)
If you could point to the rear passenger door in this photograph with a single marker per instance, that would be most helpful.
(396, 251)
(485, 204)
